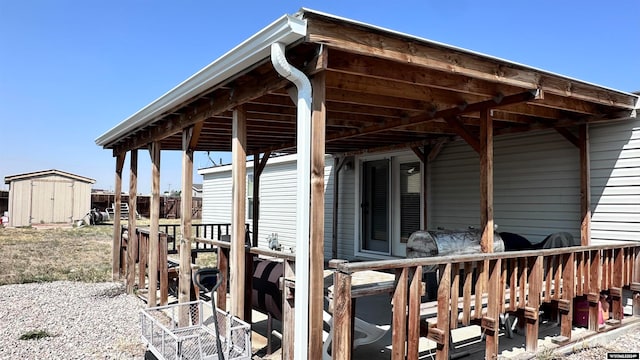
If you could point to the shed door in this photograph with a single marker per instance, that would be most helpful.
(51, 202)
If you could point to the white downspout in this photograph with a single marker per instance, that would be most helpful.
(303, 85)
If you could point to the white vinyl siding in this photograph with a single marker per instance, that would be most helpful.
(347, 235)
(536, 186)
(277, 200)
(615, 181)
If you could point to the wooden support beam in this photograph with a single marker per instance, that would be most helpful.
(189, 140)
(568, 135)
(486, 181)
(316, 247)
(456, 124)
(342, 317)
(132, 242)
(585, 187)
(258, 167)
(427, 116)
(419, 153)
(239, 190)
(117, 241)
(154, 209)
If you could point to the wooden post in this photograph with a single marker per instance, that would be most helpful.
(568, 293)
(616, 290)
(533, 304)
(316, 235)
(635, 281)
(341, 343)
(288, 311)
(415, 292)
(441, 334)
(585, 187)
(189, 140)
(154, 250)
(223, 266)
(491, 322)
(132, 243)
(399, 321)
(486, 180)
(593, 296)
(117, 239)
(239, 198)
(163, 267)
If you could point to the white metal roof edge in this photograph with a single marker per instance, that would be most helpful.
(452, 47)
(287, 29)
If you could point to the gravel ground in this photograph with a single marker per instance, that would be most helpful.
(628, 342)
(84, 321)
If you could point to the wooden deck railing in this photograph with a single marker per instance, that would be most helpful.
(481, 287)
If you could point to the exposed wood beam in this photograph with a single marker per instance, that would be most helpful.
(470, 138)
(437, 148)
(116, 249)
(132, 240)
(568, 135)
(377, 44)
(421, 155)
(154, 210)
(585, 186)
(486, 181)
(189, 139)
(218, 103)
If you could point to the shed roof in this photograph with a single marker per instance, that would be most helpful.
(384, 89)
(42, 173)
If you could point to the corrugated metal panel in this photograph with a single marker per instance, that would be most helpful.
(615, 181)
(536, 186)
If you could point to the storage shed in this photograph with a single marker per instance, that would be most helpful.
(47, 197)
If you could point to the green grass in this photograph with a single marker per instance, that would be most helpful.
(35, 335)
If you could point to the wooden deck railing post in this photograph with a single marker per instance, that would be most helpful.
(593, 296)
(440, 333)
(533, 303)
(616, 290)
(491, 322)
(635, 281)
(399, 322)
(415, 293)
(565, 304)
(341, 343)
(163, 267)
(143, 242)
(288, 310)
(223, 267)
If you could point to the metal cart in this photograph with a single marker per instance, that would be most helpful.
(197, 340)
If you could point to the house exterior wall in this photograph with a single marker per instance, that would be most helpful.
(536, 186)
(48, 199)
(277, 200)
(615, 181)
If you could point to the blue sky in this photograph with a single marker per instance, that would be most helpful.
(71, 70)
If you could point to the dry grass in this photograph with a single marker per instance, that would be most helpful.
(76, 254)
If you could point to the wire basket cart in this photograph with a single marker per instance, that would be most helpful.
(198, 339)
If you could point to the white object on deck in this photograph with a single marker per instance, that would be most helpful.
(364, 333)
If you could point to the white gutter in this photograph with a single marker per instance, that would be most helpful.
(287, 30)
(301, 328)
